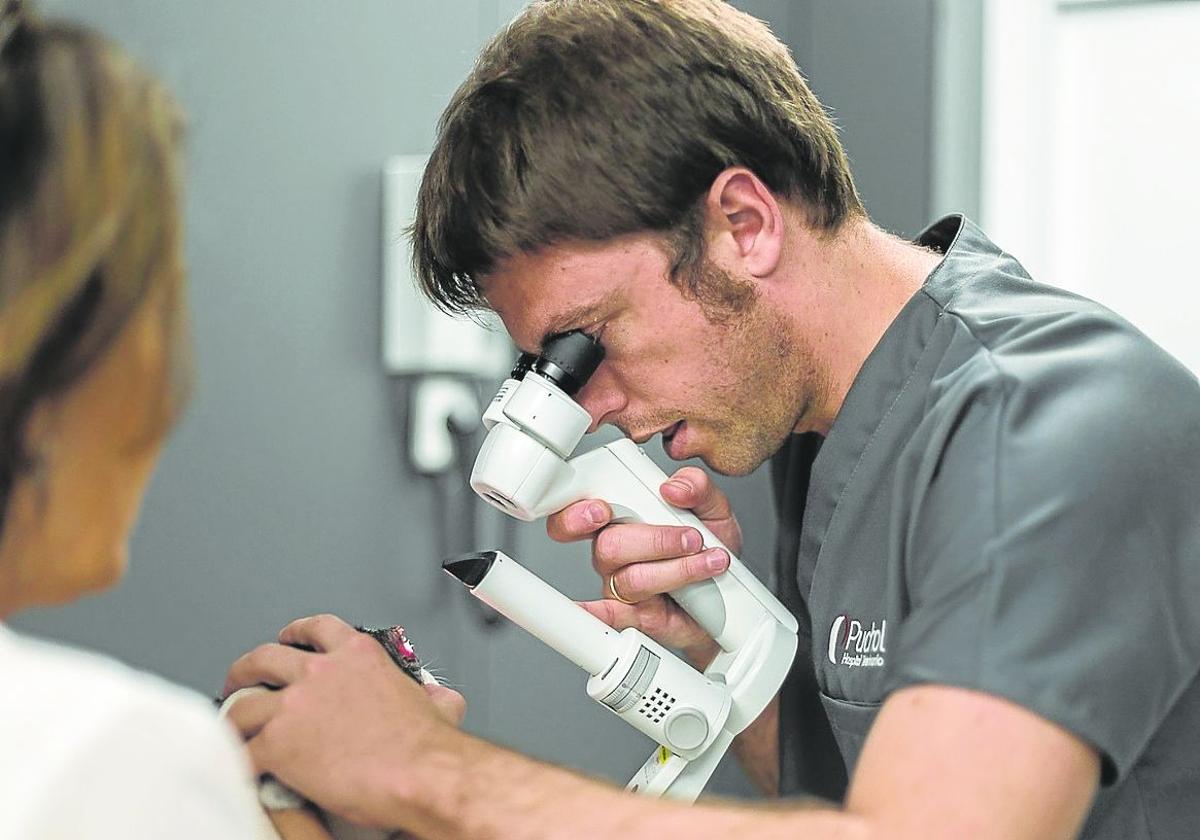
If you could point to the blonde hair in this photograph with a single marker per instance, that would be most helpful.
(89, 218)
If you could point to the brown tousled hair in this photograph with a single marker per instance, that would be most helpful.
(590, 119)
(89, 218)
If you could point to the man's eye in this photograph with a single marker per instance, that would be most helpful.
(593, 331)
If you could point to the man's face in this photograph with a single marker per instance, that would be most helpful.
(728, 392)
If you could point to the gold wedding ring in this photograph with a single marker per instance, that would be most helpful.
(612, 589)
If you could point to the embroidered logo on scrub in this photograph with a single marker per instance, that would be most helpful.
(855, 644)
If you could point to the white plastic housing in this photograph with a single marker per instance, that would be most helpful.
(527, 478)
(513, 471)
(494, 413)
(636, 678)
(528, 601)
(660, 695)
(543, 410)
(438, 402)
(417, 337)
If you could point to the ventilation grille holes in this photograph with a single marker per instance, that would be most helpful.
(656, 705)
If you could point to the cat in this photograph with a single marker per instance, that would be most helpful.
(274, 795)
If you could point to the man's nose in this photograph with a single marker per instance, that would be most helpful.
(601, 397)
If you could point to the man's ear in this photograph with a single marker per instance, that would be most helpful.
(739, 205)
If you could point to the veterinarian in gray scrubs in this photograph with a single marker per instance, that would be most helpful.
(989, 488)
(983, 514)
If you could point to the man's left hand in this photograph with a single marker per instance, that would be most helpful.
(345, 724)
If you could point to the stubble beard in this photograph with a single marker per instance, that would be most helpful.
(771, 377)
(751, 417)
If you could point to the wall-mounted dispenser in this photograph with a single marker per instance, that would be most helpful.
(443, 358)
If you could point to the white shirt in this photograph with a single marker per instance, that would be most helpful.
(90, 748)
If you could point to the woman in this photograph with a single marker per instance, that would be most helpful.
(93, 370)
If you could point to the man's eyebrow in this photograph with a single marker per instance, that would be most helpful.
(575, 317)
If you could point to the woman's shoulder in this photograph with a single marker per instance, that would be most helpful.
(75, 688)
(79, 726)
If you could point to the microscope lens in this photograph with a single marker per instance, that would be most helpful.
(569, 359)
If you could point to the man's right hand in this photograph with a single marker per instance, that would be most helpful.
(648, 561)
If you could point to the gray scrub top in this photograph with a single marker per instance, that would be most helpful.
(1008, 501)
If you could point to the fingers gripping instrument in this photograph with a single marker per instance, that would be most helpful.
(525, 468)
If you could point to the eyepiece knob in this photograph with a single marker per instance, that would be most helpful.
(523, 366)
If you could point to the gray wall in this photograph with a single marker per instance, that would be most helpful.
(283, 491)
(870, 62)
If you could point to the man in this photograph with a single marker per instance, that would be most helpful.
(988, 489)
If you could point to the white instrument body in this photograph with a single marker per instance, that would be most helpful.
(525, 469)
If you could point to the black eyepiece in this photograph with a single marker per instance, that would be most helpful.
(569, 360)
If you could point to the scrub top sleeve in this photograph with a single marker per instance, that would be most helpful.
(1053, 553)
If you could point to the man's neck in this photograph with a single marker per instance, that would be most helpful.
(851, 289)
